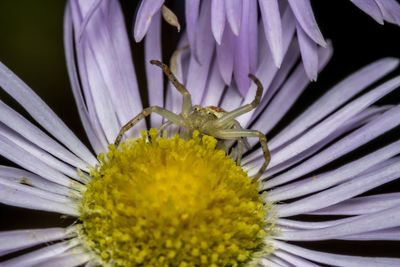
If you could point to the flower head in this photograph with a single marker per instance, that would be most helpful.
(184, 201)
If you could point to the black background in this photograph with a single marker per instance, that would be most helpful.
(31, 45)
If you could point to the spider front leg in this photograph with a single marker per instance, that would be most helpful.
(146, 112)
(240, 133)
(187, 99)
(229, 116)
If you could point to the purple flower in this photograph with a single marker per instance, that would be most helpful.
(106, 92)
(236, 31)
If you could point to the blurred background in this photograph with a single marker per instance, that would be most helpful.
(31, 44)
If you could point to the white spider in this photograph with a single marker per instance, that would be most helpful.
(210, 120)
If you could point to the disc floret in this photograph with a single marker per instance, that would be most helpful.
(172, 202)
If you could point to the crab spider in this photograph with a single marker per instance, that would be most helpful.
(210, 120)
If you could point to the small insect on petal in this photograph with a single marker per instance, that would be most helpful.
(170, 17)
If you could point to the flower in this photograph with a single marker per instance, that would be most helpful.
(105, 89)
(234, 25)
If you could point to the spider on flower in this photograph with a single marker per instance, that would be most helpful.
(211, 120)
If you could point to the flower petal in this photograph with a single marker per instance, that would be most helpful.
(25, 177)
(215, 88)
(388, 172)
(272, 28)
(305, 17)
(378, 126)
(14, 197)
(309, 54)
(294, 260)
(362, 205)
(323, 129)
(191, 14)
(387, 218)
(335, 97)
(198, 72)
(21, 239)
(43, 114)
(32, 133)
(40, 154)
(335, 259)
(95, 134)
(360, 119)
(225, 55)
(233, 10)
(217, 19)
(146, 11)
(390, 10)
(74, 257)
(155, 80)
(339, 175)
(41, 255)
(33, 164)
(371, 8)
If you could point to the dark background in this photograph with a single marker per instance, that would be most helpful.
(31, 45)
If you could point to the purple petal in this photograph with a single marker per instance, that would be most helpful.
(305, 17)
(323, 129)
(17, 198)
(371, 8)
(69, 258)
(38, 256)
(20, 125)
(154, 75)
(335, 97)
(232, 99)
(267, 69)
(289, 93)
(15, 174)
(21, 239)
(294, 260)
(323, 181)
(215, 88)
(225, 55)
(233, 10)
(387, 218)
(241, 66)
(253, 37)
(217, 19)
(40, 154)
(106, 67)
(309, 54)
(390, 10)
(146, 11)
(335, 259)
(389, 172)
(198, 72)
(362, 205)
(378, 126)
(95, 134)
(392, 234)
(272, 28)
(31, 163)
(38, 109)
(191, 14)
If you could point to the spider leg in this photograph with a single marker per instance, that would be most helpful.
(239, 133)
(187, 99)
(146, 112)
(226, 118)
(163, 127)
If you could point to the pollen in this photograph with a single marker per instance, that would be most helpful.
(157, 201)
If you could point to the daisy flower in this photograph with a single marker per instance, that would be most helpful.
(173, 201)
(234, 24)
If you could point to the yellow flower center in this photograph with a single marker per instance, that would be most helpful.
(171, 202)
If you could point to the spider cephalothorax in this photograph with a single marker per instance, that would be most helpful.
(211, 120)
